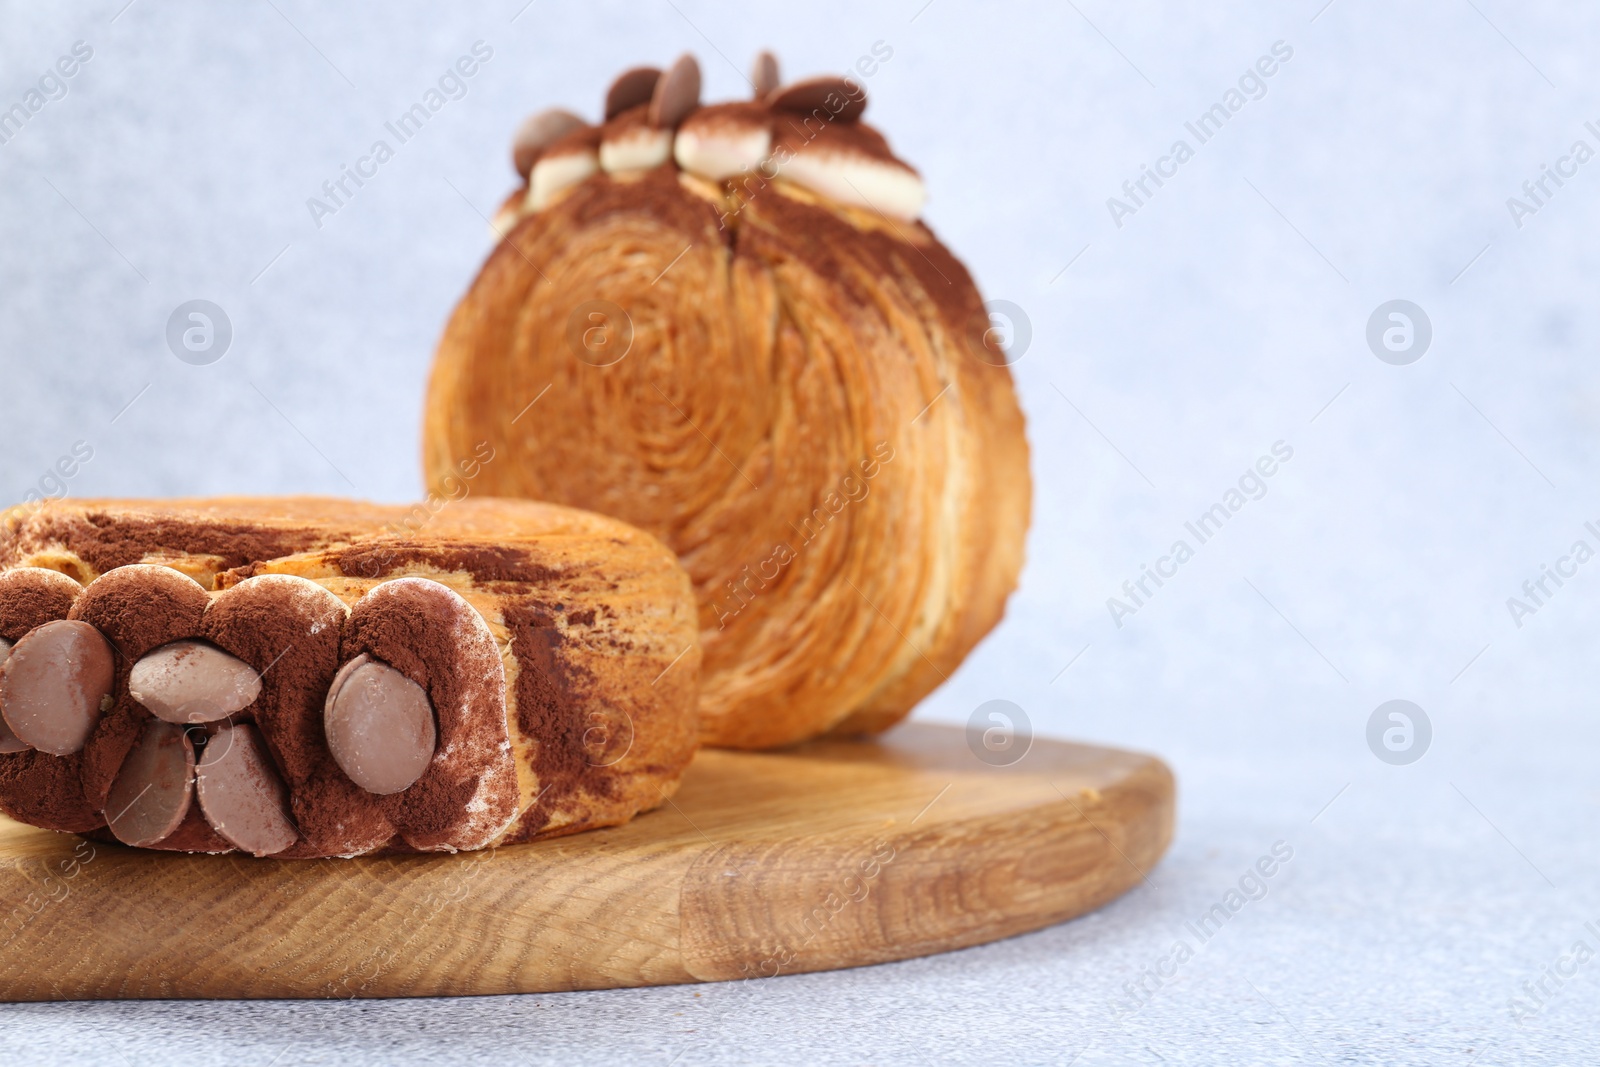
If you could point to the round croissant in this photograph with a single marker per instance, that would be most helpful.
(800, 396)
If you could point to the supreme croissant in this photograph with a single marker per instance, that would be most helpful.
(307, 677)
(725, 325)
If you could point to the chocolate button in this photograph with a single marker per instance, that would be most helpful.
(539, 132)
(190, 681)
(53, 685)
(8, 740)
(822, 94)
(676, 94)
(151, 794)
(240, 792)
(379, 725)
(764, 74)
(632, 88)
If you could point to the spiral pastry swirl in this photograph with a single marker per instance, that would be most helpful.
(799, 395)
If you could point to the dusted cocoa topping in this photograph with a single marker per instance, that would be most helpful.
(658, 194)
(33, 596)
(106, 543)
(545, 695)
(484, 564)
(241, 794)
(53, 684)
(784, 228)
(151, 795)
(44, 790)
(779, 229)
(849, 164)
(140, 607)
(289, 629)
(794, 134)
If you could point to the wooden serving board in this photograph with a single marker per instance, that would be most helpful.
(834, 854)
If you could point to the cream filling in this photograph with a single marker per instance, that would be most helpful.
(853, 178)
(553, 175)
(718, 151)
(637, 149)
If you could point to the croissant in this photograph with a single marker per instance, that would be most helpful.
(725, 325)
(306, 677)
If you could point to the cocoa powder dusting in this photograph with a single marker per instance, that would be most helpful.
(291, 637)
(29, 599)
(137, 609)
(795, 132)
(785, 228)
(44, 790)
(496, 563)
(549, 710)
(106, 540)
(141, 609)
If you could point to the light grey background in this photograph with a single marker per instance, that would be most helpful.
(1227, 314)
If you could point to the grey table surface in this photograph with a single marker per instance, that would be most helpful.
(1433, 912)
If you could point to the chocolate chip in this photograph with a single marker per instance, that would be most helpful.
(676, 94)
(150, 796)
(632, 88)
(240, 792)
(379, 725)
(53, 685)
(191, 681)
(8, 740)
(835, 97)
(537, 133)
(764, 74)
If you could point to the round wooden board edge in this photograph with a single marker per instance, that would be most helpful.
(692, 909)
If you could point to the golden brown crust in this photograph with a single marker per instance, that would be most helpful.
(594, 621)
(808, 411)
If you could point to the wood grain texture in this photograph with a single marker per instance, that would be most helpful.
(834, 854)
